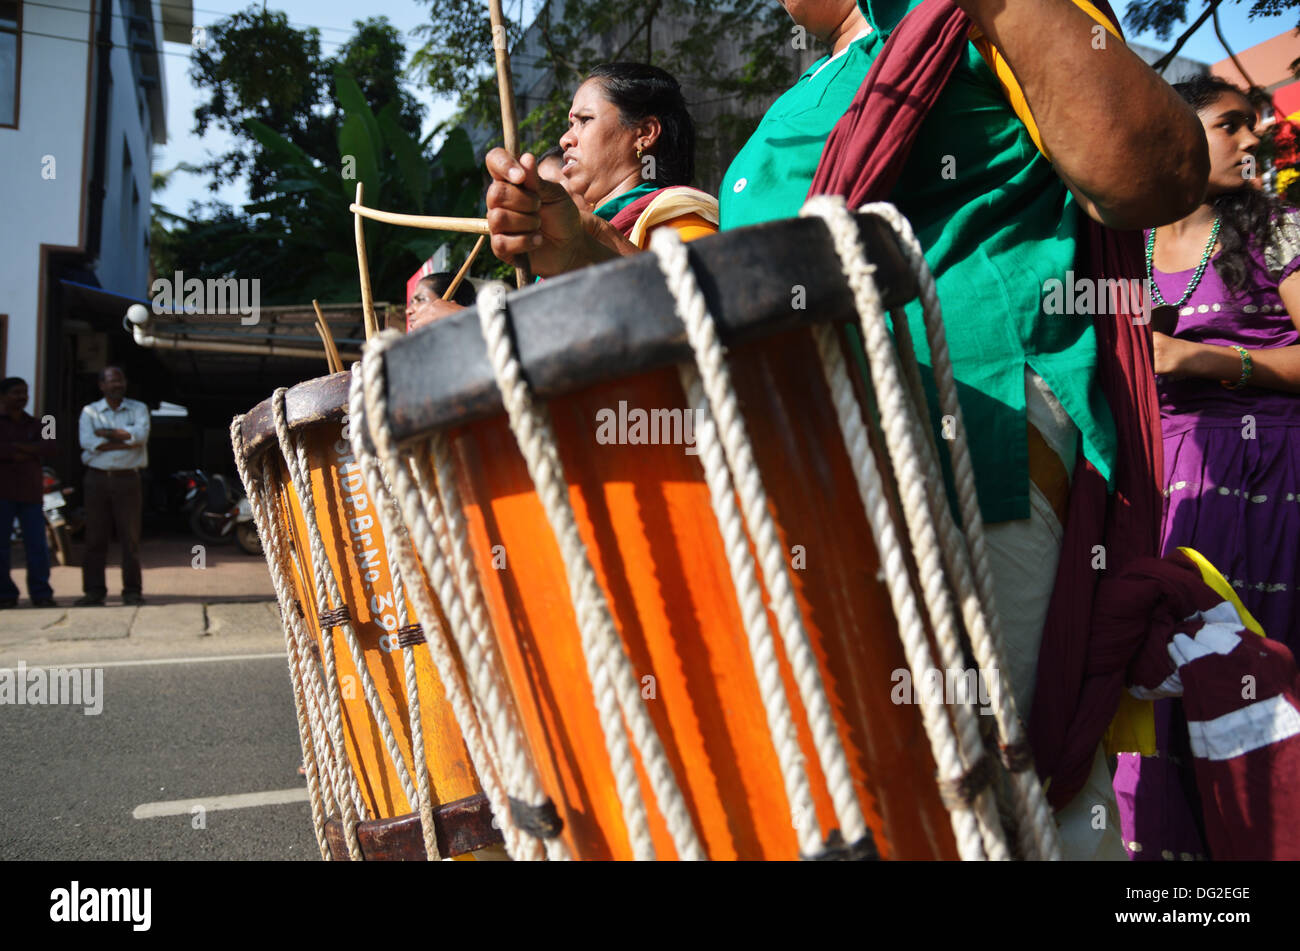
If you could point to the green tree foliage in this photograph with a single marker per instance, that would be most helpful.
(575, 35)
(1163, 16)
(256, 65)
(307, 130)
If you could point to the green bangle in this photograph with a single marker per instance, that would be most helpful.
(1247, 367)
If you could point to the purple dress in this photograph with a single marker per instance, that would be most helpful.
(1232, 492)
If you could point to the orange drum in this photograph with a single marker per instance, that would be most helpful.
(353, 543)
(643, 510)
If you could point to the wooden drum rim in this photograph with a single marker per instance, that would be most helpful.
(461, 827)
(321, 400)
(619, 319)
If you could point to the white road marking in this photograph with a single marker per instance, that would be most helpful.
(148, 663)
(183, 807)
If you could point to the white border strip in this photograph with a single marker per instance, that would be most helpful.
(1241, 731)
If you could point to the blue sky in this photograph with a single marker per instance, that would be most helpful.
(335, 18)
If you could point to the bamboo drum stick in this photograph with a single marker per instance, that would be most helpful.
(509, 121)
(363, 267)
(427, 222)
(464, 269)
(327, 337)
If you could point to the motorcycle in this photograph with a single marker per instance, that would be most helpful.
(184, 490)
(222, 513)
(246, 536)
(57, 530)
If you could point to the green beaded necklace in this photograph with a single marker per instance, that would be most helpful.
(1156, 297)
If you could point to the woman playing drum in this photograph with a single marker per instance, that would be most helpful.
(997, 184)
(629, 153)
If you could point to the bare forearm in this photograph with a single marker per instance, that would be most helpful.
(1273, 369)
(608, 237)
(1120, 137)
(599, 242)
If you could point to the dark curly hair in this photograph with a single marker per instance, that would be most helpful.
(1247, 213)
(639, 91)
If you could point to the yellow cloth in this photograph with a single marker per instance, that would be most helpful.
(1011, 86)
(1219, 585)
(1134, 729)
(690, 227)
(692, 212)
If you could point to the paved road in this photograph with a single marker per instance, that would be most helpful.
(70, 782)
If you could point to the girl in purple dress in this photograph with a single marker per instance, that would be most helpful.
(1229, 385)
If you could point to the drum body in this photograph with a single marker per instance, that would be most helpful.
(353, 541)
(643, 510)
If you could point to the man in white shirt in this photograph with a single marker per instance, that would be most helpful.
(114, 435)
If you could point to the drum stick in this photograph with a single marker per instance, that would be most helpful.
(464, 269)
(427, 222)
(509, 121)
(367, 296)
(327, 338)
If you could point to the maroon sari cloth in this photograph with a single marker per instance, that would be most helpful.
(626, 218)
(1240, 692)
(861, 161)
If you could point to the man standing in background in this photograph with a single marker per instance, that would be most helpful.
(114, 435)
(21, 451)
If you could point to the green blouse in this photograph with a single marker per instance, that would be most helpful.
(616, 204)
(995, 221)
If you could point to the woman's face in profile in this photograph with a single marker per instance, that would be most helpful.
(599, 151)
(1230, 134)
(551, 169)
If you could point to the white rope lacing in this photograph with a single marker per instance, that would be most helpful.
(326, 718)
(436, 490)
(762, 645)
(613, 680)
(329, 597)
(422, 783)
(480, 702)
(393, 532)
(933, 534)
(902, 432)
(911, 629)
(724, 408)
(966, 551)
(456, 689)
(306, 695)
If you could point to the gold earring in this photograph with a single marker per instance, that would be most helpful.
(638, 155)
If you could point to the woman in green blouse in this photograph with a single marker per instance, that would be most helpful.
(998, 219)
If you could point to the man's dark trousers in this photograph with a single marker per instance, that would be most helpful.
(112, 498)
(31, 517)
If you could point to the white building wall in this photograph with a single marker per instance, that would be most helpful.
(41, 166)
(123, 256)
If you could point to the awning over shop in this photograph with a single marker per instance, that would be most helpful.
(220, 364)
